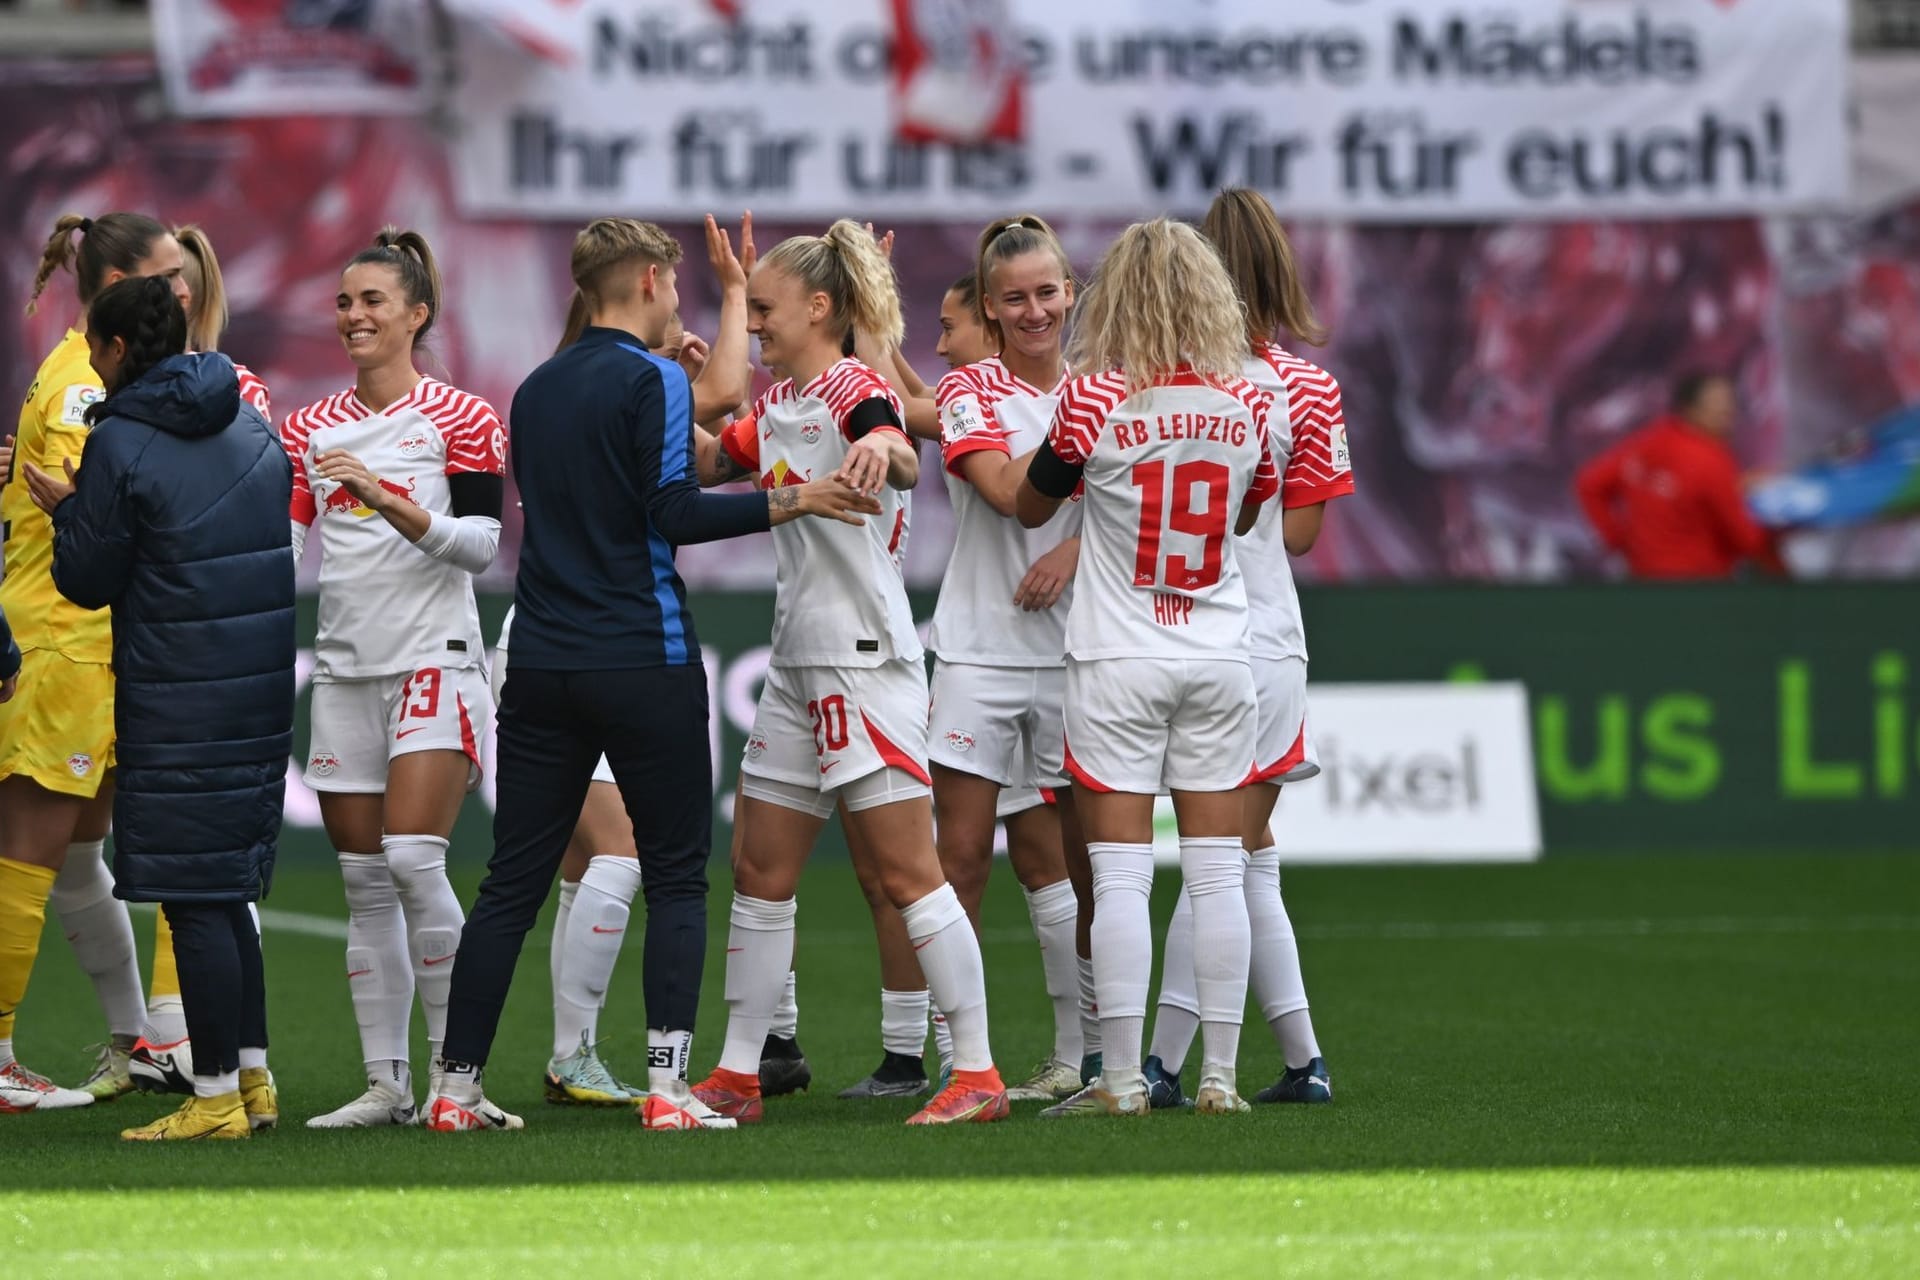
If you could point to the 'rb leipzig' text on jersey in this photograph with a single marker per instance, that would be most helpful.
(1166, 470)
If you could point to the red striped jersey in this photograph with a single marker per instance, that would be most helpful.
(839, 597)
(254, 391)
(985, 408)
(1314, 467)
(1166, 470)
(386, 607)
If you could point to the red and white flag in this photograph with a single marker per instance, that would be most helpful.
(957, 71)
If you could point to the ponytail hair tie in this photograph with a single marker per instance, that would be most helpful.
(86, 225)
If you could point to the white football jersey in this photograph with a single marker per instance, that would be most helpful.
(839, 598)
(386, 607)
(1312, 458)
(984, 407)
(1167, 470)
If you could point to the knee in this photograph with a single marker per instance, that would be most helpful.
(1212, 866)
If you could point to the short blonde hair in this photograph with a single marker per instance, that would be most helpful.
(1159, 298)
(602, 247)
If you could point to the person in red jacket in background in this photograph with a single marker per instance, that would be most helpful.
(1668, 497)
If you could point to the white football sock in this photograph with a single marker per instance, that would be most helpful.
(97, 925)
(1122, 953)
(557, 947)
(949, 953)
(166, 1020)
(253, 1059)
(379, 973)
(1089, 1005)
(216, 1086)
(903, 1022)
(1054, 910)
(667, 1054)
(1177, 1019)
(1215, 871)
(596, 927)
(942, 1037)
(6, 1052)
(786, 1015)
(434, 920)
(759, 957)
(1278, 987)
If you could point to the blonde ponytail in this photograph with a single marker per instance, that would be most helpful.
(846, 264)
(207, 318)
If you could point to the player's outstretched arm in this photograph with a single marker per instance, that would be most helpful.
(829, 499)
(726, 378)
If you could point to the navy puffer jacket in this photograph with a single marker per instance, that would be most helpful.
(178, 523)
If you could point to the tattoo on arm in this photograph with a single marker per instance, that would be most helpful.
(783, 499)
(725, 469)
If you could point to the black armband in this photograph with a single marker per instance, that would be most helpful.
(873, 412)
(1050, 475)
(476, 493)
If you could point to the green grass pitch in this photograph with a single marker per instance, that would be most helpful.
(1589, 1066)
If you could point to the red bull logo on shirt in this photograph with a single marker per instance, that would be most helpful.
(342, 500)
(781, 475)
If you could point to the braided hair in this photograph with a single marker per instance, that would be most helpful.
(112, 242)
(142, 312)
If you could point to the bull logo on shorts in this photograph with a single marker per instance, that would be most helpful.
(324, 762)
(959, 739)
(81, 763)
(756, 747)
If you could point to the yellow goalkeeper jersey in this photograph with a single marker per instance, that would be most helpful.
(52, 429)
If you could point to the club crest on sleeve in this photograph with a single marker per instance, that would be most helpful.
(756, 746)
(323, 763)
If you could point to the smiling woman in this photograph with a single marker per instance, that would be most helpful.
(403, 475)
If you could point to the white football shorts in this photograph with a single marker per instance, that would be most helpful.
(1005, 724)
(819, 731)
(1284, 752)
(357, 726)
(1148, 725)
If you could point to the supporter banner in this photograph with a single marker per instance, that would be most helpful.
(1408, 773)
(1423, 110)
(1481, 364)
(307, 57)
